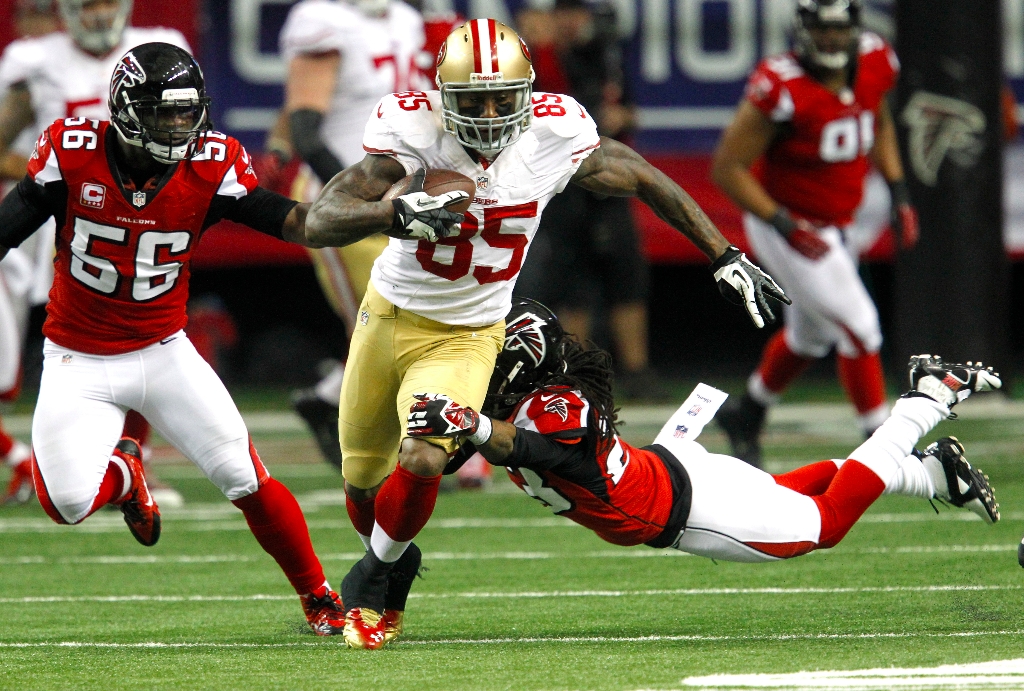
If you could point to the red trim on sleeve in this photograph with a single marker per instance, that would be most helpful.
(384, 152)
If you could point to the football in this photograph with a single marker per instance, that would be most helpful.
(438, 181)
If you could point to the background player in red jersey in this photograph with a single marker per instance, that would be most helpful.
(131, 199)
(553, 426)
(794, 158)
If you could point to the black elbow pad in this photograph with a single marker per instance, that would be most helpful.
(304, 126)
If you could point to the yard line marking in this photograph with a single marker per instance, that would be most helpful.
(704, 638)
(208, 520)
(625, 553)
(998, 674)
(538, 594)
(695, 638)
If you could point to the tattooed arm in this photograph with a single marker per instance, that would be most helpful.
(616, 170)
(348, 208)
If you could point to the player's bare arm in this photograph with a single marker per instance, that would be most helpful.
(743, 142)
(308, 93)
(294, 228)
(349, 208)
(616, 170)
(15, 115)
(885, 155)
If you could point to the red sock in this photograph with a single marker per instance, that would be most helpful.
(361, 514)
(6, 442)
(405, 502)
(863, 380)
(810, 480)
(110, 490)
(780, 365)
(12, 394)
(276, 520)
(136, 427)
(854, 488)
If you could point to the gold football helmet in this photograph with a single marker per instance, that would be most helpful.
(485, 75)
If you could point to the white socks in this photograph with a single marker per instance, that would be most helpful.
(759, 392)
(886, 452)
(873, 419)
(385, 548)
(125, 473)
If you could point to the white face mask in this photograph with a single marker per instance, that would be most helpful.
(96, 32)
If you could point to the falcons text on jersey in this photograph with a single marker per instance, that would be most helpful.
(817, 165)
(622, 493)
(122, 265)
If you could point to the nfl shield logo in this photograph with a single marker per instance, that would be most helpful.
(481, 183)
(694, 411)
(680, 432)
(364, 317)
(139, 199)
(66, 359)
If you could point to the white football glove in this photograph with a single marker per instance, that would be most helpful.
(420, 216)
(741, 282)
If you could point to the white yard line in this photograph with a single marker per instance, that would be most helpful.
(530, 595)
(1001, 674)
(695, 638)
(639, 553)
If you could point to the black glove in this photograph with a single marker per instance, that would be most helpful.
(420, 216)
(743, 283)
(436, 415)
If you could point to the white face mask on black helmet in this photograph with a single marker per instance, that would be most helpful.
(95, 30)
(811, 14)
(158, 101)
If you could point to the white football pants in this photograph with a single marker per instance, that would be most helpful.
(81, 409)
(737, 508)
(831, 306)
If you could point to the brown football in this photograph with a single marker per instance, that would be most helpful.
(438, 181)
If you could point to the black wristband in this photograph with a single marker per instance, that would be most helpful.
(900, 192)
(304, 127)
(783, 222)
(730, 254)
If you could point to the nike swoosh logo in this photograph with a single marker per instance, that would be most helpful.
(167, 340)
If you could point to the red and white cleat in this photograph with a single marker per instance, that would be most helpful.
(19, 487)
(324, 611)
(140, 510)
(392, 623)
(364, 629)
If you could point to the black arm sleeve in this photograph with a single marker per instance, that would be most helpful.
(304, 127)
(539, 452)
(27, 207)
(261, 210)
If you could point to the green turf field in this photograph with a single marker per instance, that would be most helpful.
(516, 598)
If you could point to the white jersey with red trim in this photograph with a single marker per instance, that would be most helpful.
(66, 82)
(468, 279)
(379, 56)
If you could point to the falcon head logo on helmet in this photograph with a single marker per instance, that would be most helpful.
(524, 334)
(485, 75)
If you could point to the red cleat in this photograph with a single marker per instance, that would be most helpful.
(324, 611)
(393, 624)
(140, 511)
(364, 629)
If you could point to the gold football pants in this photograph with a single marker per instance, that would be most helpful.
(393, 355)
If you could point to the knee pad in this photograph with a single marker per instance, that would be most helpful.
(860, 339)
(68, 508)
(237, 474)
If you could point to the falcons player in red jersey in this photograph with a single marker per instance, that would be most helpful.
(794, 158)
(550, 420)
(131, 199)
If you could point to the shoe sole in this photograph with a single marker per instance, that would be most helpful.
(154, 536)
(984, 504)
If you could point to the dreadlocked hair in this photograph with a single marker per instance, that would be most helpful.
(590, 372)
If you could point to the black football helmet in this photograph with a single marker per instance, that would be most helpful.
(158, 101)
(811, 14)
(533, 350)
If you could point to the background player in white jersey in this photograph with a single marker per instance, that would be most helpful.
(58, 75)
(343, 57)
(432, 318)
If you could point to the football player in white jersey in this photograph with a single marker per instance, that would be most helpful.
(343, 56)
(57, 75)
(432, 318)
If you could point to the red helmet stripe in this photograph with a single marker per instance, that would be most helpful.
(477, 61)
(493, 31)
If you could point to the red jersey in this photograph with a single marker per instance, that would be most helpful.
(122, 266)
(816, 167)
(628, 496)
